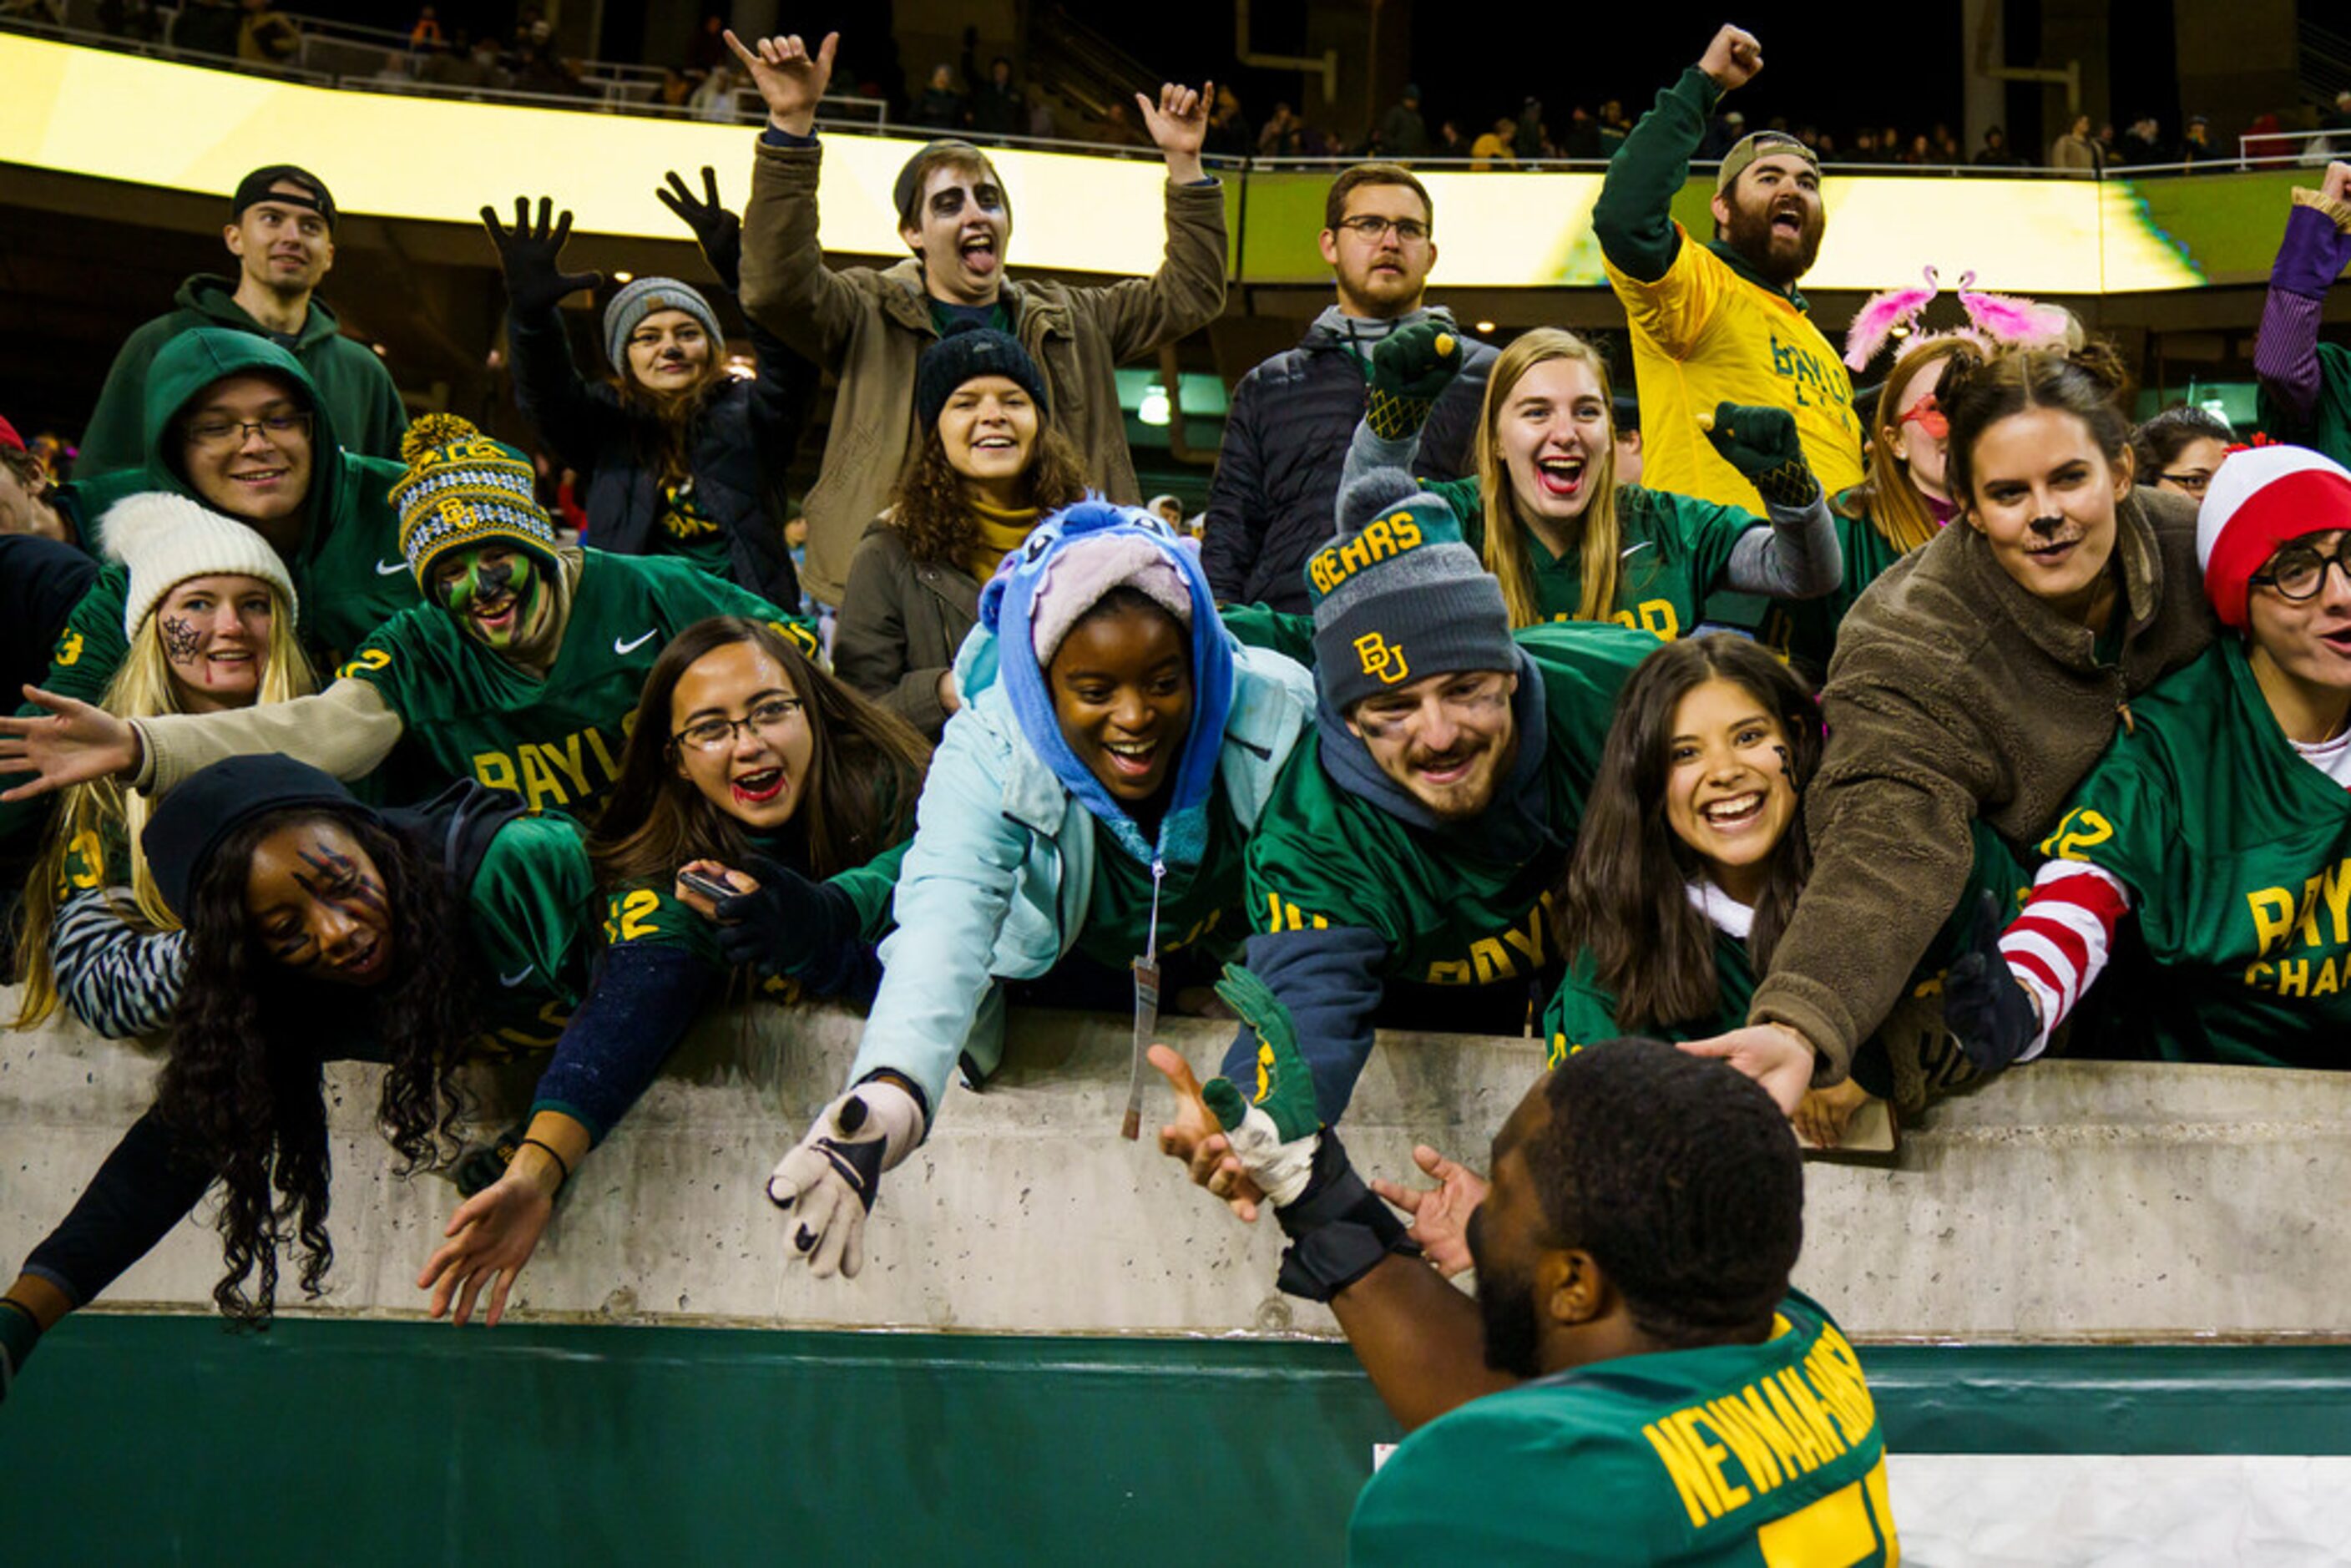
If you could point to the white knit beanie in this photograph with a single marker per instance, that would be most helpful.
(2261, 498)
(166, 539)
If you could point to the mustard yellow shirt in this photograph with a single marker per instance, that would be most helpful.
(1001, 533)
(1704, 335)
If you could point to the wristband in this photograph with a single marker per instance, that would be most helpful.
(560, 1163)
(1338, 1227)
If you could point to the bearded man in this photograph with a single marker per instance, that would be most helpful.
(1722, 322)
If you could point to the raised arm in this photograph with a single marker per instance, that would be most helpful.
(1633, 218)
(1188, 291)
(1798, 557)
(787, 289)
(547, 385)
(2316, 247)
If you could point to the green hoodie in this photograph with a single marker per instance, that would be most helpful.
(350, 381)
(348, 573)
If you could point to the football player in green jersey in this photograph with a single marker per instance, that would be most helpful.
(752, 766)
(2219, 818)
(1401, 875)
(1634, 1382)
(520, 671)
(1546, 514)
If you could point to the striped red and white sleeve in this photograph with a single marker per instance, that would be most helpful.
(2061, 940)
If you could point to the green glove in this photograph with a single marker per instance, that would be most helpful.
(1274, 1131)
(1761, 444)
(1410, 368)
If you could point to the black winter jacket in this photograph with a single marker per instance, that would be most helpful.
(1275, 496)
(745, 444)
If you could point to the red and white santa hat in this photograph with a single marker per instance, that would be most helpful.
(2262, 497)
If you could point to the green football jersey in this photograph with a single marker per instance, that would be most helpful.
(691, 534)
(1199, 908)
(2237, 853)
(555, 742)
(1451, 917)
(1733, 1456)
(529, 904)
(1675, 549)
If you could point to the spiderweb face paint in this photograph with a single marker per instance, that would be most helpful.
(181, 642)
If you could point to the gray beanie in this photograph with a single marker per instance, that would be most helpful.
(1398, 595)
(639, 299)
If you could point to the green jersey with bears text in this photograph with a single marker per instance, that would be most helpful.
(1675, 549)
(1729, 1456)
(1455, 923)
(555, 742)
(2237, 853)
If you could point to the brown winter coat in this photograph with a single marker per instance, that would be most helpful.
(1954, 694)
(900, 624)
(869, 327)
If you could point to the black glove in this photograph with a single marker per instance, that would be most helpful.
(1411, 367)
(1338, 1227)
(720, 231)
(19, 1333)
(1986, 1007)
(787, 925)
(529, 253)
(1761, 444)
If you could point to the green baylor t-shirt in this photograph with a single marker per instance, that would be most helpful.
(1451, 918)
(691, 534)
(1675, 549)
(1730, 1456)
(2238, 856)
(1198, 909)
(555, 742)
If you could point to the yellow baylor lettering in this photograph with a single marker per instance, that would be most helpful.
(1658, 617)
(552, 772)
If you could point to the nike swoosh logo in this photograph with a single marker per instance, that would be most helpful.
(518, 977)
(392, 568)
(621, 647)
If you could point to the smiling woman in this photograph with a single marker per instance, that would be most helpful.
(209, 617)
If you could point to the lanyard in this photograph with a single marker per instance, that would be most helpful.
(1147, 1008)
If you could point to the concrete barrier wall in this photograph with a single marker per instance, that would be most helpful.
(2067, 1201)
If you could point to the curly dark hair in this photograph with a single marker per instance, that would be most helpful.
(1623, 896)
(1678, 1176)
(241, 1088)
(932, 513)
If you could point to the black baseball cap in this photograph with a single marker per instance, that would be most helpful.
(256, 187)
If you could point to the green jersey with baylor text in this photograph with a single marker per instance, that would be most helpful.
(646, 909)
(1730, 1456)
(1452, 919)
(1675, 551)
(2237, 854)
(557, 741)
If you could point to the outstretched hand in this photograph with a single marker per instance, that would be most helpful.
(531, 255)
(1198, 1138)
(1178, 124)
(72, 743)
(1440, 1215)
(1772, 1054)
(1987, 1008)
(719, 231)
(788, 77)
(492, 1235)
(1732, 58)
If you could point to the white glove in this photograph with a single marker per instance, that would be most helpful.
(831, 1176)
(1279, 1169)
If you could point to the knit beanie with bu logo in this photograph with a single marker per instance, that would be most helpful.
(1398, 595)
(461, 489)
(2263, 497)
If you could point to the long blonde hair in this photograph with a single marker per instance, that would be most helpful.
(142, 688)
(1505, 548)
(1889, 499)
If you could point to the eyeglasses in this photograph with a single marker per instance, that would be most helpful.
(1374, 228)
(1928, 415)
(2195, 481)
(220, 435)
(2299, 572)
(768, 720)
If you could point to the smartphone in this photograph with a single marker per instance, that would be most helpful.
(710, 884)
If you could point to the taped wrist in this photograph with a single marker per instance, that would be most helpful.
(1338, 1229)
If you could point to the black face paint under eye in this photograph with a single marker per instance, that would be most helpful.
(181, 639)
(332, 868)
(1788, 769)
